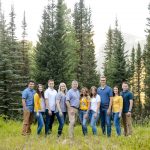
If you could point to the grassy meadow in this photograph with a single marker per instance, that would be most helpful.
(11, 139)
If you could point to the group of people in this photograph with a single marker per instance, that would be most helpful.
(89, 105)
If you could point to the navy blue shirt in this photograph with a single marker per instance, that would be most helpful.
(127, 96)
(105, 94)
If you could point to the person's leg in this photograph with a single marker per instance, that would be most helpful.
(81, 119)
(71, 123)
(26, 116)
(93, 123)
(40, 123)
(84, 126)
(102, 118)
(61, 123)
(124, 123)
(117, 123)
(30, 122)
(108, 123)
(51, 121)
(129, 125)
(47, 122)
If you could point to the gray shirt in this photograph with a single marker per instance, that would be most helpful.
(73, 96)
(62, 101)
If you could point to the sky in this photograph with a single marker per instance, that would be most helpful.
(131, 14)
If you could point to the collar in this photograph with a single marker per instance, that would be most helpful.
(30, 89)
(50, 89)
(102, 88)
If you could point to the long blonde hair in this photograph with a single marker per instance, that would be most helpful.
(59, 89)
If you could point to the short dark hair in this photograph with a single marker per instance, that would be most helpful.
(50, 80)
(125, 82)
(30, 81)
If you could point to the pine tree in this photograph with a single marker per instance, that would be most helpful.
(86, 74)
(118, 65)
(138, 76)
(108, 50)
(6, 70)
(147, 66)
(25, 50)
(46, 53)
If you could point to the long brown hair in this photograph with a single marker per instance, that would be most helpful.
(41, 94)
(118, 90)
(95, 89)
(86, 92)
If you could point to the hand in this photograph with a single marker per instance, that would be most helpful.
(37, 114)
(129, 114)
(108, 112)
(49, 112)
(86, 116)
(120, 115)
(60, 114)
(95, 115)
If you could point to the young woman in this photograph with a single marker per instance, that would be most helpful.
(84, 108)
(61, 108)
(117, 106)
(39, 107)
(94, 108)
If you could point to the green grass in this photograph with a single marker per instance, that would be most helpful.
(11, 139)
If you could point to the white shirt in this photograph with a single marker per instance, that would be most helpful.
(94, 102)
(50, 94)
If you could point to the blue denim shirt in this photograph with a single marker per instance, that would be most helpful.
(73, 96)
(28, 95)
(105, 95)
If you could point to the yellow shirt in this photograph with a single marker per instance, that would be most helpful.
(117, 104)
(84, 103)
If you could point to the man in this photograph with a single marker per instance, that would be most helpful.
(127, 108)
(105, 92)
(28, 107)
(50, 99)
(72, 102)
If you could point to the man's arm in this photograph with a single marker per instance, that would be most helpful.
(110, 106)
(24, 104)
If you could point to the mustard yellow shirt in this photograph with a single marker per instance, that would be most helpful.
(117, 104)
(84, 103)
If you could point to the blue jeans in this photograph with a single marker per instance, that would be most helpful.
(105, 121)
(61, 120)
(49, 122)
(117, 123)
(93, 121)
(83, 121)
(40, 121)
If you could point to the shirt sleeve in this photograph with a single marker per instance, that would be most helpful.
(58, 97)
(131, 96)
(24, 95)
(36, 101)
(98, 98)
(110, 93)
(46, 94)
(68, 96)
(121, 102)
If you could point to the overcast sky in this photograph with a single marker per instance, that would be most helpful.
(130, 13)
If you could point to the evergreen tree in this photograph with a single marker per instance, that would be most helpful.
(46, 52)
(86, 74)
(6, 70)
(147, 66)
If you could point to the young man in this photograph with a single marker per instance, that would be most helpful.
(28, 107)
(72, 101)
(127, 108)
(50, 99)
(106, 94)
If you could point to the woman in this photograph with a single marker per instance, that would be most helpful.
(94, 108)
(61, 108)
(117, 106)
(84, 108)
(39, 107)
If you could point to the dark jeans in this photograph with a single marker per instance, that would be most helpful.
(40, 120)
(83, 121)
(117, 123)
(105, 121)
(61, 120)
(49, 122)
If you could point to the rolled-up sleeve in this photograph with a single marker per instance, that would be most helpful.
(68, 96)
(24, 94)
(46, 94)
